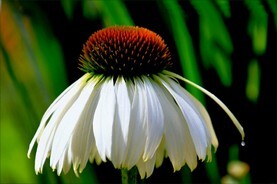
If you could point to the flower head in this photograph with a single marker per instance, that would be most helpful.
(127, 108)
(127, 51)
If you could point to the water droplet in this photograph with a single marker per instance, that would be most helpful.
(242, 143)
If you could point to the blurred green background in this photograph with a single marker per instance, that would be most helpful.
(227, 46)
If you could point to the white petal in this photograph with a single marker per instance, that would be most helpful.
(97, 158)
(60, 164)
(118, 144)
(123, 106)
(44, 146)
(121, 123)
(67, 160)
(146, 168)
(136, 135)
(160, 153)
(195, 122)
(178, 141)
(207, 119)
(72, 117)
(104, 118)
(83, 138)
(154, 124)
(46, 138)
(69, 94)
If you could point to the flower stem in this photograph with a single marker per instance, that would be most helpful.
(129, 176)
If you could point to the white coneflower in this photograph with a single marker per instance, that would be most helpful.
(127, 108)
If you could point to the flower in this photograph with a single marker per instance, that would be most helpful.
(127, 108)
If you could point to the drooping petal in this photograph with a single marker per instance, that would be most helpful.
(178, 141)
(68, 159)
(154, 124)
(160, 153)
(123, 106)
(146, 168)
(207, 119)
(44, 146)
(60, 164)
(46, 139)
(95, 157)
(212, 96)
(104, 118)
(70, 120)
(118, 145)
(136, 135)
(121, 123)
(67, 97)
(83, 138)
(203, 114)
(196, 124)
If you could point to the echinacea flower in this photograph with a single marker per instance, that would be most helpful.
(127, 108)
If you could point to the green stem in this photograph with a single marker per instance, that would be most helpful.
(129, 176)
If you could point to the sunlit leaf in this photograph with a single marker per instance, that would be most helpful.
(257, 27)
(253, 81)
